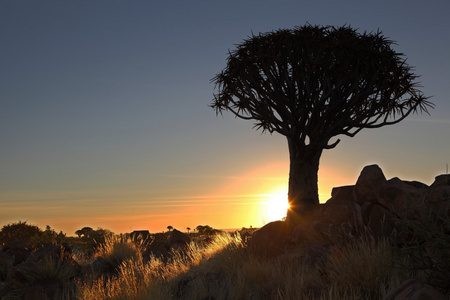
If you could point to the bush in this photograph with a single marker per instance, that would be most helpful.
(20, 231)
(48, 237)
(116, 251)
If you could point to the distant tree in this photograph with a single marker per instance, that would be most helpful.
(94, 238)
(205, 230)
(169, 228)
(100, 235)
(188, 229)
(85, 231)
(311, 84)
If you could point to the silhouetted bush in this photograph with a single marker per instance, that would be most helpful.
(48, 237)
(20, 231)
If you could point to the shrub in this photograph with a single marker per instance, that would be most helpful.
(20, 231)
(116, 251)
(48, 237)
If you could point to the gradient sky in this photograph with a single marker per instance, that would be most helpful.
(104, 117)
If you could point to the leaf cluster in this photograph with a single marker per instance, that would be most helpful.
(311, 83)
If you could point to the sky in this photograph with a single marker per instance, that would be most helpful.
(105, 118)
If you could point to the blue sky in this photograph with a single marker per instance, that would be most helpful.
(104, 110)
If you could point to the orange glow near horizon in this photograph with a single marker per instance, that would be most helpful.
(253, 198)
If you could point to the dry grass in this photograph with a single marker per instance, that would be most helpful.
(225, 269)
(362, 268)
(151, 280)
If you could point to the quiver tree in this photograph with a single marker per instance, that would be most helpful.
(312, 84)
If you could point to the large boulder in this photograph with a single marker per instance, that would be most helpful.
(441, 180)
(399, 196)
(414, 289)
(368, 183)
(271, 240)
(177, 240)
(334, 218)
(342, 193)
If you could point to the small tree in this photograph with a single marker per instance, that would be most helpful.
(188, 229)
(85, 231)
(312, 84)
(205, 230)
(169, 228)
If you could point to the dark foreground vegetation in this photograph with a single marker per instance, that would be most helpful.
(379, 239)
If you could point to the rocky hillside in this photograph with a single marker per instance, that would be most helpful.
(407, 213)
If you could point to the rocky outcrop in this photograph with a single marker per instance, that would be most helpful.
(271, 240)
(382, 201)
(373, 204)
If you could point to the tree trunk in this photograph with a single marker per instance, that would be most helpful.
(303, 192)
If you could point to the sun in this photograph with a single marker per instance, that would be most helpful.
(276, 205)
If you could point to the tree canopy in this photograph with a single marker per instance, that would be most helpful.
(317, 82)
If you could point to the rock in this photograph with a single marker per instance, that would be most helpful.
(334, 218)
(438, 196)
(417, 184)
(15, 246)
(414, 289)
(18, 251)
(337, 213)
(21, 274)
(381, 223)
(398, 195)
(177, 240)
(366, 187)
(305, 233)
(441, 180)
(271, 240)
(342, 193)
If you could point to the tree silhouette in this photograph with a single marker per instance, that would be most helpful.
(169, 228)
(188, 229)
(205, 230)
(313, 83)
(85, 231)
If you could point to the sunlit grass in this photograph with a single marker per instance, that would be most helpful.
(153, 279)
(226, 269)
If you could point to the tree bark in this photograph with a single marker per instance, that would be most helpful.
(303, 194)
